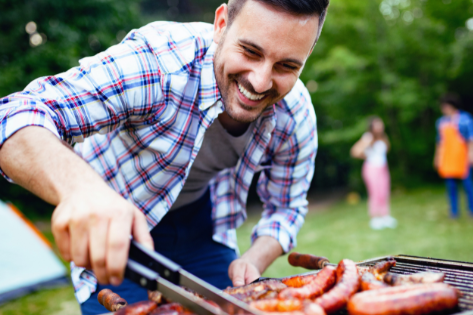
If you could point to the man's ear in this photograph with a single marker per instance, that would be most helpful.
(220, 23)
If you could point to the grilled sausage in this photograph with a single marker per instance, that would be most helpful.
(138, 308)
(416, 299)
(308, 309)
(369, 282)
(421, 277)
(307, 261)
(156, 297)
(276, 305)
(298, 281)
(380, 268)
(348, 283)
(323, 282)
(111, 301)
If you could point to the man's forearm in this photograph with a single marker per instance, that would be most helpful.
(263, 252)
(35, 159)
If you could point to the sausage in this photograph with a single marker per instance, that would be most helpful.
(308, 309)
(369, 282)
(307, 261)
(111, 301)
(256, 291)
(380, 268)
(138, 308)
(298, 281)
(156, 297)
(276, 305)
(416, 299)
(323, 282)
(421, 277)
(348, 283)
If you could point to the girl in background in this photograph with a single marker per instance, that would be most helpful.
(373, 147)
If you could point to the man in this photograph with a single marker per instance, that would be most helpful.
(454, 151)
(139, 112)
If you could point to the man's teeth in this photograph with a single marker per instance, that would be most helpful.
(251, 96)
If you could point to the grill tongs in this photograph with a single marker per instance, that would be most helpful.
(153, 271)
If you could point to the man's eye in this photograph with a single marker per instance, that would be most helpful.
(251, 52)
(285, 65)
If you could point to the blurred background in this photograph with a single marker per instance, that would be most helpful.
(391, 58)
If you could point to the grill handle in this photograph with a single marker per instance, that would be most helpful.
(307, 261)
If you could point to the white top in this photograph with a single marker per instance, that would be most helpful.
(376, 153)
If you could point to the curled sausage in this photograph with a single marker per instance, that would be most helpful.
(369, 282)
(416, 299)
(348, 283)
(111, 301)
(307, 261)
(138, 308)
(324, 281)
(421, 277)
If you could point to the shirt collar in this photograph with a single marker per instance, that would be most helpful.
(209, 93)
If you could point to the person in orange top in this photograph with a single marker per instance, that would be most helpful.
(454, 150)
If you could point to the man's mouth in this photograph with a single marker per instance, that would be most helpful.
(249, 95)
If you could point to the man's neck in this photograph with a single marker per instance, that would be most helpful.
(233, 127)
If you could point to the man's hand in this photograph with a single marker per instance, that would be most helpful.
(242, 272)
(91, 223)
(251, 264)
(92, 228)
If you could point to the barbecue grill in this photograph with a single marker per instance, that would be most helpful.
(457, 273)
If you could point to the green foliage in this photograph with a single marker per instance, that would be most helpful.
(71, 30)
(391, 58)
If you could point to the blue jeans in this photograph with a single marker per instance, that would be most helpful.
(453, 196)
(184, 235)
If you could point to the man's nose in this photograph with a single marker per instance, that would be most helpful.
(261, 78)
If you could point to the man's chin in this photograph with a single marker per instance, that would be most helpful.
(243, 115)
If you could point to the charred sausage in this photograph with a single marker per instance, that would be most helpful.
(138, 308)
(111, 301)
(421, 277)
(324, 281)
(348, 283)
(307, 261)
(416, 299)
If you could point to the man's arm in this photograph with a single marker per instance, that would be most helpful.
(254, 262)
(87, 208)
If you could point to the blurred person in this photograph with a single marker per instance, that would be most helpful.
(169, 127)
(373, 147)
(454, 150)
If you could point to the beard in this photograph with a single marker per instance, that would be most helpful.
(237, 110)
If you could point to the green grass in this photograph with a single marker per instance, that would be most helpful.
(338, 232)
(342, 231)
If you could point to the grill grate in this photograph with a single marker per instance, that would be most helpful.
(458, 274)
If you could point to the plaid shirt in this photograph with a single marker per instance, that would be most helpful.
(138, 113)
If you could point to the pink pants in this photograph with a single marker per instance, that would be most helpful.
(378, 185)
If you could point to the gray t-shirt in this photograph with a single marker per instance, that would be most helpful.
(219, 151)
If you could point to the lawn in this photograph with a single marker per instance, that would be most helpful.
(340, 231)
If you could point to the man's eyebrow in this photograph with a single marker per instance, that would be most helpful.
(260, 49)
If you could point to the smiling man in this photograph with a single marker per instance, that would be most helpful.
(169, 128)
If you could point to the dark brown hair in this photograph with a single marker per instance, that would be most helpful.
(296, 7)
(451, 99)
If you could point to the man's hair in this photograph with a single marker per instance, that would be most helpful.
(451, 99)
(296, 7)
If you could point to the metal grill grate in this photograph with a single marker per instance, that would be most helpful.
(458, 274)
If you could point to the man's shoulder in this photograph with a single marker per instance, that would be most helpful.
(175, 45)
(297, 104)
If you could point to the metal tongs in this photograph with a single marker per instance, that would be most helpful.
(153, 271)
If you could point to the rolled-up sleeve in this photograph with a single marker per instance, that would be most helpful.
(283, 186)
(118, 86)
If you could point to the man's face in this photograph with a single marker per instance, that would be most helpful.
(260, 56)
(447, 109)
